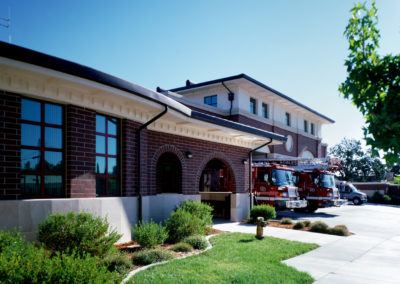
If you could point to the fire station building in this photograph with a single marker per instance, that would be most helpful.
(76, 139)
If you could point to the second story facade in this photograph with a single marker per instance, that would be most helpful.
(243, 99)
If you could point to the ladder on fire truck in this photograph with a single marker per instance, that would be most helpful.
(302, 164)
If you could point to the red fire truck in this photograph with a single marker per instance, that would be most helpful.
(274, 185)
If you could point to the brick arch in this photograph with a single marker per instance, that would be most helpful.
(219, 156)
(153, 164)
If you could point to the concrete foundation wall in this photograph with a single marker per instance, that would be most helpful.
(26, 215)
(240, 206)
(159, 207)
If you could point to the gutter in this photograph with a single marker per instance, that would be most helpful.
(231, 97)
(139, 138)
(250, 170)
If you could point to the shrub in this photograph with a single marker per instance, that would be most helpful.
(387, 199)
(306, 223)
(182, 224)
(150, 234)
(339, 230)
(298, 226)
(319, 227)
(80, 232)
(200, 210)
(377, 197)
(197, 242)
(265, 211)
(182, 247)
(151, 256)
(10, 238)
(286, 221)
(117, 261)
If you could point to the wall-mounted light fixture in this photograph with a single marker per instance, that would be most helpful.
(245, 161)
(189, 154)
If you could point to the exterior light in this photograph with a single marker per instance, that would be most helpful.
(189, 154)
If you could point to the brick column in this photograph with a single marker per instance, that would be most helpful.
(10, 142)
(128, 155)
(80, 152)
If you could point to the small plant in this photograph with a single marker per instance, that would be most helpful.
(197, 242)
(306, 223)
(286, 221)
(265, 211)
(298, 226)
(182, 247)
(182, 224)
(10, 238)
(339, 230)
(146, 257)
(150, 234)
(79, 232)
(377, 197)
(198, 209)
(319, 227)
(387, 199)
(117, 261)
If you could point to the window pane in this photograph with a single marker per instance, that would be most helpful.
(112, 126)
(30, 135)
(53, 114)
(100, 186)
(53, 137)
(100, 144)
(112, 166)
(30, 184)
(30, 160)
(100, 124)
(100, 165)
(112, 146)
(30, 110)
(112, 186)
(53, 185)
(53, 161)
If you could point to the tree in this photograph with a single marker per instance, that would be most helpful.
(357, 164)
(373, 82)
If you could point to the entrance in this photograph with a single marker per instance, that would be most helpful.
(169, 174)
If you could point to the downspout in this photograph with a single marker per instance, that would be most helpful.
(138, 135)
(231, 97)
(250, 170)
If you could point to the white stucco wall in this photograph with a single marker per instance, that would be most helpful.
(240, 206)
(26, 215)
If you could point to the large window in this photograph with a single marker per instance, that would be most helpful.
(41, 149)
(253, 106)
(288, 119)
(305, 126)
(312, 129)
(265, 110)
(107, 170)
(211, 100)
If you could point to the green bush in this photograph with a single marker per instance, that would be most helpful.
(298, 226)
(286, 221)
(150, 234)
(146, 257)
(200, 210)
(117, 261)
(10, 238)
(306, 223)
(387, 199)
(339, 230)
(182, 247)
(265, 211)
(197, 242)
(182, 224)
(319, 227)
(80, 232)
(377, 197)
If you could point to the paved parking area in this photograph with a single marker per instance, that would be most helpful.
(371, 255)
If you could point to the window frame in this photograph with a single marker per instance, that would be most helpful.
(42, 172)
(305, 126)
(254, 109)
(106, 176)
(265, 110)
(211, 103)
(312, 128)
(288, 117)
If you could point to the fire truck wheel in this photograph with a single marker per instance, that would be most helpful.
(299, 210)
(311, 209)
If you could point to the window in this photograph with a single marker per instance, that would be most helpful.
(107, 170)
(305, 126)
(265, 110)
(288, 119)
(312, 129)
(211, 100)
(253, 106)
(41, 149)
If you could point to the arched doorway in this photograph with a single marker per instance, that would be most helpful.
(216, 186)
(169, 174)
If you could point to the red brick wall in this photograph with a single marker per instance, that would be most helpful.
(10, 141)
(280, 149)
(128, 154)
(308, 144)
(80, 152)
(252, 122)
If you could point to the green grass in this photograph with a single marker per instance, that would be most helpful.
(235, 258)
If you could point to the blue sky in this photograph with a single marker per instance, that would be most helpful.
(296, 47)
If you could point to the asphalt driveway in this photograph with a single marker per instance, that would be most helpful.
(371, 255)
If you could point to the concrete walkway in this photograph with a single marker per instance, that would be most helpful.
(372, 255)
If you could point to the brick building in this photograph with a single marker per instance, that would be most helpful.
(74, 138)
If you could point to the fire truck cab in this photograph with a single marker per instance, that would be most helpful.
(274, 185)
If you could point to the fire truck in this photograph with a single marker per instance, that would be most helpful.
(274, 185)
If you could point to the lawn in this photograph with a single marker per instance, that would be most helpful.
(235, 258)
